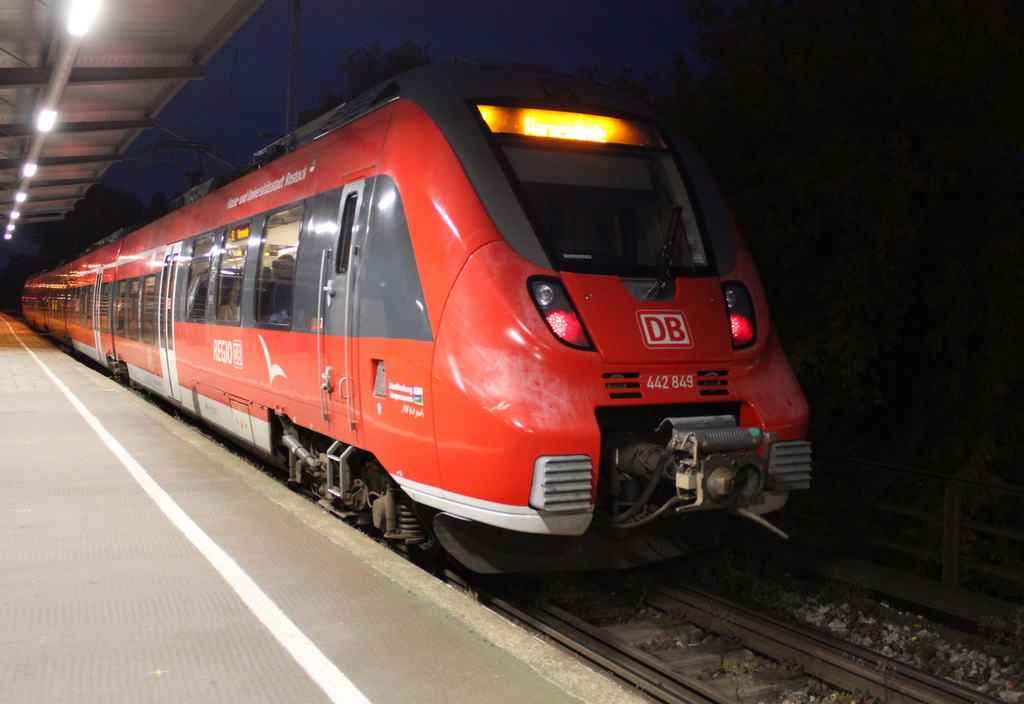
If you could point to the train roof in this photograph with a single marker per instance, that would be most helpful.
(443, 91)
(440, 89)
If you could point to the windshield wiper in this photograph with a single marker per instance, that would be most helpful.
(665, 258)
(675, 223)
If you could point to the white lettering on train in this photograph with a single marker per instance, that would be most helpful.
(270, 186)
(228, 352)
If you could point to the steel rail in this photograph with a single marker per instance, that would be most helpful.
(837, 662)
(656, 679)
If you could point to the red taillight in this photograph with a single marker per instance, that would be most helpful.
(557, 310)
(742, 330)
(567, 327)
(740, 308)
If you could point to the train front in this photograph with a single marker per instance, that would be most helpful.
(608, 381)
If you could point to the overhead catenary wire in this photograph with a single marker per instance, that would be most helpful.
(221, 97)
(202, 110)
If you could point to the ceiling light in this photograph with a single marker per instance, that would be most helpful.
(20, 196)
(46, 119)
(10, 227)
(83, 12)
(7, 235)
(30, 169)
(15, 214)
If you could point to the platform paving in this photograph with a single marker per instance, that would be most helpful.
(152, 565)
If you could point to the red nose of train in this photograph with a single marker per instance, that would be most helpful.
(689, 325)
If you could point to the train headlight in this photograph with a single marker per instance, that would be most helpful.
(558, 312)
(544, 294)
(742, 324)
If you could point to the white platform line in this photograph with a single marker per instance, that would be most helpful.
(335, 684)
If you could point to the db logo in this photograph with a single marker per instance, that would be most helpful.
(664, 329)
(228, 352)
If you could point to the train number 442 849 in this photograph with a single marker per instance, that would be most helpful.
(670, 381)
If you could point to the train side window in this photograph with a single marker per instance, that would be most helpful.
(149, 309)
(348, 221)
(276, 277)
(199, 278)
(132, 309)
(120, 307)
(76, 306)
(105, 308)
(230, 271)
(90, 294)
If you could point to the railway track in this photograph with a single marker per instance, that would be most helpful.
(688, 645)
(749, 656)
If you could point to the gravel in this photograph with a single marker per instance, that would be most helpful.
(991, 666)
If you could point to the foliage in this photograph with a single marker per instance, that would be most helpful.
(101, 213)
(367, 67)
(647, 89)
(873, 153)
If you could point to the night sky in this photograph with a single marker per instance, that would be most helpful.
(240, 106)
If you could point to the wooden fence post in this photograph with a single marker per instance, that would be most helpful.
(951, 534)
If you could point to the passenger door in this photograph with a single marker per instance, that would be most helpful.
(337, 337)
(165, 323)
(95, 316)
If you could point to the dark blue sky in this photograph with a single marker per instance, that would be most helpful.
(243, 93)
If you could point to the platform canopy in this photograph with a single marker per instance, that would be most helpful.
(106, 86)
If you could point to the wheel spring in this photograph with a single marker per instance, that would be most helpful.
(409, 525)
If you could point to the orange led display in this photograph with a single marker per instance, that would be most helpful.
(573, 126)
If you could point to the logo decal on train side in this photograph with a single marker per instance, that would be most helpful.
(272, 369)
(408, 394)
(228, 352)
(664, 329)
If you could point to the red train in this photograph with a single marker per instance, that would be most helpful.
(488, 306)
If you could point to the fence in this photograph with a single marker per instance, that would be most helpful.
(969, 529)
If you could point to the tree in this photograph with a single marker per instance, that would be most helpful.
(367, 67)
(101, 213)
(873, 153)
(647, 89)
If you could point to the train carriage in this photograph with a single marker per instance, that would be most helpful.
(488, 306)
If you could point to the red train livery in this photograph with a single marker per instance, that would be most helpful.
(492, 307)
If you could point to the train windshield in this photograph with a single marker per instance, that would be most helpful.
(607, 197)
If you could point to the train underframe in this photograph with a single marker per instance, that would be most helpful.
(664, 489)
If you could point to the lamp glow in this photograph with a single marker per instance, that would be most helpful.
(29, 170)
(15, 214)
(7, 235)
(20, 196)
(10, 227)
(83, 12)
(46, 119)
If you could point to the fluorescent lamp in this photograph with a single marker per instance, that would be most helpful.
(20, 196)
(46, 119)
(7, 235)
(15, 214)
(10, 227)
(83, 12)
(29, 170)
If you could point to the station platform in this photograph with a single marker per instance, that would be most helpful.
(140, 562)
